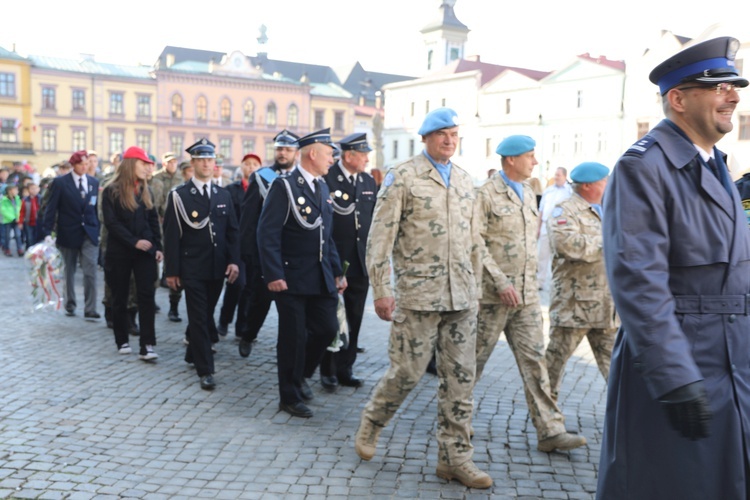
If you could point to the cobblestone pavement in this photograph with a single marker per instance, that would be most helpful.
(80, 421)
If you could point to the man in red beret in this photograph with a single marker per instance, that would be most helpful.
(71, 213)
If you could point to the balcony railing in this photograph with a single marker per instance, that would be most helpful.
(21, 148)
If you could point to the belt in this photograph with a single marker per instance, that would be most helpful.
(712, 304)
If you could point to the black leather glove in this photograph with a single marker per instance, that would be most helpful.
(688, 410)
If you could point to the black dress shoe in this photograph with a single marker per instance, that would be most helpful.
(298, 409)
(157, 308)
(329, 382)
(245, 348)
(305, 391)
(207, 383)
(361, 350)
(92, 316)
(174, 316)
(70, 312)
(351, 381)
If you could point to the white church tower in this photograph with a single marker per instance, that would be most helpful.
(444, 38)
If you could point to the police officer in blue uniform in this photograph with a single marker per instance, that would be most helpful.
(257, 298)
(353, 199)
(677, 254)
(202, 248)
(301, 266)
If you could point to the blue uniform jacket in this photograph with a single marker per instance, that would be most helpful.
(307, 260)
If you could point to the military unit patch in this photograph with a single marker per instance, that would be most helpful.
(389, 178)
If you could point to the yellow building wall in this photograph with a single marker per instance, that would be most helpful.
(17, 107)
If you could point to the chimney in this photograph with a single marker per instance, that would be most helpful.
(211, 65)
(361, 100)
(378, 99)
(170, 60)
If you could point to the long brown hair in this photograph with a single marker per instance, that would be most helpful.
(125, 183)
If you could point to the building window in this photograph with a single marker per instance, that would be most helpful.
(579, 99)
(744, 127)
(270, 150)
(201, 109)
(116, 142)
(49, 100)
(225, 149)
(338, 121)
(395, 150)
(319, 115)
(8, 130)
(177, 108)
(271, 114)
(411, 147)
(143, 141)
(454, 53)
(292, 114)
(226, 112)
(115, 103)
(249, 113)
(411, 109)
(176, 142)
(427, 107)
(488, 147)
(429, 59)
(507, 106)
(79, 102)
(144, 106)
(578, 144)
(79, 140)
(49, 139)
(248, 146)
(7, 85)
(642, 129)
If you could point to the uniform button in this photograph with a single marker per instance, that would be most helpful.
(215, 244)
(732, 318)
(286, 263)
(357, 238)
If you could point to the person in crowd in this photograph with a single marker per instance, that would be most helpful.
(71, 211)
(186, 170)
(508, 223)
(377, 175)
(93, 163)
(677, 254)
(10, 209)
(581, 304)
(201, 248)
(233, 291)
(353, 200)
(133, 249)
(301, 267)
(551, 197)
(423, 231)
(257, 298)
(29, 214)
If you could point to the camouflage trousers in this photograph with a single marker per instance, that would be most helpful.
(523, 329)
(563, 341)
(415, 335)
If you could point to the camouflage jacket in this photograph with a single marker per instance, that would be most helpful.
(426, 231)
(508, 228)
(580, 295)
(161, 184)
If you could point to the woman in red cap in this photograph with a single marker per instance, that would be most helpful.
(133, 246)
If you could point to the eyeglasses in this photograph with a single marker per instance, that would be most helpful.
(721, 88)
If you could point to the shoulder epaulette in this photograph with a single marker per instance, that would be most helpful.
(641, 146)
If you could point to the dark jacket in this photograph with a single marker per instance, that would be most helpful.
(72, 216)
(125, 227)
(200, 253)
(350, 231)
(252, 204)
(677, 253)
(306, 259)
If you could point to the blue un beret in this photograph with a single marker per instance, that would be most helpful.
(709, 62)
(515, 145)
(438, 119)
(589, 171)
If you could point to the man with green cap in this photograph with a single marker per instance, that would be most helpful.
(508, 220)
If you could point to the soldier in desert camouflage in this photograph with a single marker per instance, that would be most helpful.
(508, 219)
(423, 225)
(581, 304)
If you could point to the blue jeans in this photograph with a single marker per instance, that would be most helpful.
(9, 229)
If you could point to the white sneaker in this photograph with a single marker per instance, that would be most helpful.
(150, 354)
(125, 349)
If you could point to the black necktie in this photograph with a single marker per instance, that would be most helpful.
(317, 189)
(352, 179)
(205, 190)
(80, 187)
(714, 168)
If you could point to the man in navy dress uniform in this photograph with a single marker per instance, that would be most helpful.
(301, 266)
(71, 211)
(353, 199)
(257, 298)
(677, 254)
(202, 248)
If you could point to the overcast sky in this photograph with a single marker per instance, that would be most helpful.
(382, 34)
